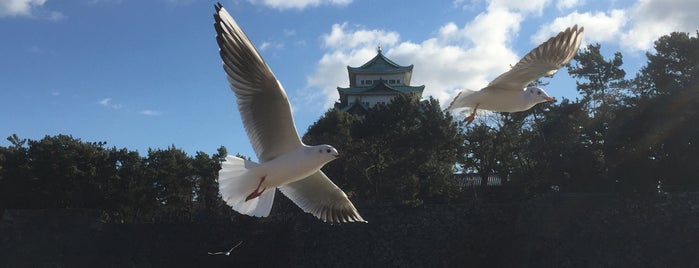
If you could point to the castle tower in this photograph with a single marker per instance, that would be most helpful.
(376, 82)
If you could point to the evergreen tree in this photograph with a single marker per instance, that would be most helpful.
(655, 136)
(172, 176)
(603, 80)
(401, 152)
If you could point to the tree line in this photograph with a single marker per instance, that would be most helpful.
(64, 172)
(631, 135)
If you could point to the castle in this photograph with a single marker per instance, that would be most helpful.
(376, 82)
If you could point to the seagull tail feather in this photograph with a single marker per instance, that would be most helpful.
(236, 181)
(459, 99)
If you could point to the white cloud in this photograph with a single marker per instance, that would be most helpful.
(496, 26)
(265, 45)
(535, 7)
(568, 4)
(634, 28)
(531, 6)
(107, 102)
(339, 38)
(299, 4)
(28, 8)
(180, 2)
(53, 16)
(466, 57)
(471, 5)
(150, 113)
(599, 26)
(18, 7)
(270, 45)
(655, 18)
(331, 72)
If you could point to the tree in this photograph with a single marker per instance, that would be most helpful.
(67, 172)
(603, 88)
(207, 197)
(604, 78)
(481, 151)
(674, 71)
(402, 152)
(565, 151)
(673, 68)
(172, 176)
(17, 143)
(656, 138)
(15, 181)
(334, 128)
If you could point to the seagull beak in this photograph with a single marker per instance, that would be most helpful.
(550, 99)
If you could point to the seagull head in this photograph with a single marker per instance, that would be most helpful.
(538, 95)
(326, 152)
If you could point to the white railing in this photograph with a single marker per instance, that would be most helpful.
(471, 179)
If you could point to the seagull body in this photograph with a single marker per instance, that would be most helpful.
(507, 100)
(510, 92)
(285, 162)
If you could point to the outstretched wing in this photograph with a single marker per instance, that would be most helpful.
(262, 102)
(544, 60)
(317, 195)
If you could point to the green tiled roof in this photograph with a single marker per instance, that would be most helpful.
(380, 64)
(380, 89)
(359, 105)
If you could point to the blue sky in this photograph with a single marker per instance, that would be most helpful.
(146, 74)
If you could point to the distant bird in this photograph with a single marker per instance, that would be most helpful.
(510, 92)
(285, 162)
(227, 253)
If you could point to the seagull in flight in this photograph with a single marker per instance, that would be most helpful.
(285, 162)
(227, 253)
(510, 92)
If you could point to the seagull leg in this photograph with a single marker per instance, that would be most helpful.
(257, 191)
(472, 116)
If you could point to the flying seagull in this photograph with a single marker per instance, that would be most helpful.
(510, 92)
(285, 162)
(227, 253)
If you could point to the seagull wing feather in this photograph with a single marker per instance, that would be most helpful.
(543, 60)
(262, 102)
(317, 195)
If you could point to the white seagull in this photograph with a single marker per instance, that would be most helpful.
(285, 162)
(510, 92)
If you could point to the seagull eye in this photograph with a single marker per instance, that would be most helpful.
(327, 150)
(538, 93)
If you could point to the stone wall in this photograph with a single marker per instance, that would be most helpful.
(584, 230)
